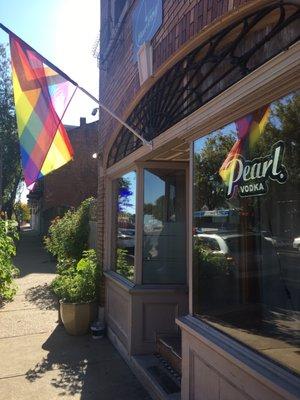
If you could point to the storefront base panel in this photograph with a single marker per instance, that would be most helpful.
(118, 314)
(214, 367)
(136, 314)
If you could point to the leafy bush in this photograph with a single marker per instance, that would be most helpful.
(211, 265)
(79, 282)
(22, 212)
(8, 235)
(123, 268)
(68, 236)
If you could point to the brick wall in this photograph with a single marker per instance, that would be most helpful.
(182, 20)
(119, 81)
(77, 180)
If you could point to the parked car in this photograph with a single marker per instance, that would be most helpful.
(296, 243)
(126, 238)
(261, 251)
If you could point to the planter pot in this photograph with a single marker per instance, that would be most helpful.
(77, 317)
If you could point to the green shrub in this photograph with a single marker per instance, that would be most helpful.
(123, 268)
(8, 236)
(211, 264)
(79, 282)
(22, 212)
(68, 236)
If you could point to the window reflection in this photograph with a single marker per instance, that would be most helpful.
(164, 236)
(246, 231)
(125, 194)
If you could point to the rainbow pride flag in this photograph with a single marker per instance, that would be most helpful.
(253, 125)
(249, 130)
(41, 99)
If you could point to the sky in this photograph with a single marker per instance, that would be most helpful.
(65, 32)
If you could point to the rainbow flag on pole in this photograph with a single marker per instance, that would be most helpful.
(42, 96)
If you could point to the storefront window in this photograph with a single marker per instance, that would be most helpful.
(124, 227)
(164, 235)
(246, 230)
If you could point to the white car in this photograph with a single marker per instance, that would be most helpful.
(126, 238)
(229, 243)
(296, 243)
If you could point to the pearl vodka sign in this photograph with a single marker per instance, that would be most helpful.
(251, 177)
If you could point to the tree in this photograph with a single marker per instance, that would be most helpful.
(22, 212)
(209, 186)
(10, 166)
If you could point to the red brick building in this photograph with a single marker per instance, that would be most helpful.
(202, 289)
(69, 185)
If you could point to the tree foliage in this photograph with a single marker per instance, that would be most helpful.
(208, 183)
(8, 271)
(22, 212)
(10, 166)
(283, 125)
(78, 283)
(68, 236)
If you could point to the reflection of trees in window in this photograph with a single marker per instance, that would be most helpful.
(124, 266)
(251, 284)
(209, 188)
(163, 209)
(213, 264)
(281, 201)
(124, 227)
(284, 124)
(124, 194)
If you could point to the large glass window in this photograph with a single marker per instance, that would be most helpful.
(164, 236)
(124, 227)
(246, 230)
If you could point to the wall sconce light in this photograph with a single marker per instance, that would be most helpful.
(94, 112)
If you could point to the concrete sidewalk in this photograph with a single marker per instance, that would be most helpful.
(38, 360)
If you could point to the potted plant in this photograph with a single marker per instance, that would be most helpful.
(76, 288)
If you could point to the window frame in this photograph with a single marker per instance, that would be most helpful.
(196, 316)
(273, 80)
(163, 165)
(109, 237)
(115, 24)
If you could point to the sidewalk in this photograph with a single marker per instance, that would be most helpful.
(38, 360)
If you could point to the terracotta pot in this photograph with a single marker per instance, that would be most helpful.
(77, 317)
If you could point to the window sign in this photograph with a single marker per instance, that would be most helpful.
(249, 177)
(246, 230)
(147, 18)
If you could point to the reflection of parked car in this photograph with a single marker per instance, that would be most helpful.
(215, 242)
(126, 238)
(296, 243)
(258, 250)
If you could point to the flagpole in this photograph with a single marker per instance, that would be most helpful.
(60, 72)
(116, 117)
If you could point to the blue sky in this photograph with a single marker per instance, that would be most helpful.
(63, 31)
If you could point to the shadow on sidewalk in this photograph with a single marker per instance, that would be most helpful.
(31, 255)
(91, 368)
(42, 297)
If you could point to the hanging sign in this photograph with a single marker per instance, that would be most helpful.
(147, 18)
(250, 177)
